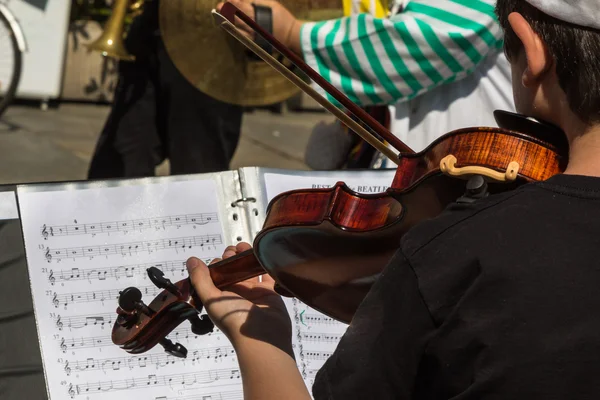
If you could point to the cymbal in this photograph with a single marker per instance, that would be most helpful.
(217, 64)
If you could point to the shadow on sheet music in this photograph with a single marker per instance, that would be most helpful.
(21, 372)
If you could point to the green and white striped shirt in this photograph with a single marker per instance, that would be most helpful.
(383, 61)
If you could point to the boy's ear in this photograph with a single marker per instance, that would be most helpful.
(538, 60)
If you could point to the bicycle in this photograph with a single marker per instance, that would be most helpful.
(12, 47)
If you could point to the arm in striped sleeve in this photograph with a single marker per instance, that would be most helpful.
(381, 61)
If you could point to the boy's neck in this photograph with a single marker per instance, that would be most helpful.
(584, 153)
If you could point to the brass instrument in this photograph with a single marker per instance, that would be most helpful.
(218, 65)
(111, 43)
(203, 54)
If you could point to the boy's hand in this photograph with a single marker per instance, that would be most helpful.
(286, 28)
(250, 309)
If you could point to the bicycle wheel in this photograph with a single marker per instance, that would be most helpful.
(10, 64)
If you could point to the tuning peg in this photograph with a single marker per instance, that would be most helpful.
(202, 325)
(130, 300)
(174, 349)
(158, 278)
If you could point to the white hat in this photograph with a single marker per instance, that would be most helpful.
(578, 12)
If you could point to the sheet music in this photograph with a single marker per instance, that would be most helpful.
(315, 335)
(83, 247)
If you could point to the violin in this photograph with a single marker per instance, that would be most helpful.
(328, 246)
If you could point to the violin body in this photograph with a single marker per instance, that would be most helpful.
(328, 246)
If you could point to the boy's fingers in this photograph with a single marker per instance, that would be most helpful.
(243, 246)
(200, 277)
(215, 260)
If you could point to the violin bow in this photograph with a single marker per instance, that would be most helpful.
(225, 19)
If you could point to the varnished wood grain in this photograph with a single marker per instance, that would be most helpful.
(492, 148)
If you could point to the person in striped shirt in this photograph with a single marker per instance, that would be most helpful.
(438, 63)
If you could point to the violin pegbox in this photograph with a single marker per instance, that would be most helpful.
(139, 327)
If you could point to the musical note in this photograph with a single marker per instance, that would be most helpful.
(95, 228)
(84, 343)
(180, 334)
(202, 355)
(133, 248)
(316, 319)
(96, 296)
(320, 337)
(190, 378)
(317, 355)
(82, 321)
(176, 269)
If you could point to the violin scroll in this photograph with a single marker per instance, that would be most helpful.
(140, 327)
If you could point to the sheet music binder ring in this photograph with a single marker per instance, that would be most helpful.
(243, 200)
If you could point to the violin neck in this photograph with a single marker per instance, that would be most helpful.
(235, 269)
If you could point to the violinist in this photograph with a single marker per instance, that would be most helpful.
(496, 299)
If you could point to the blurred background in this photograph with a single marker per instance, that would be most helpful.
(49, 130)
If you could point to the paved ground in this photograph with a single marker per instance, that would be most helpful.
(57, 144)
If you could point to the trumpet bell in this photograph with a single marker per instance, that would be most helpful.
(110, 46)
(110, 43)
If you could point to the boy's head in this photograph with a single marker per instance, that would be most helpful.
(555, 60)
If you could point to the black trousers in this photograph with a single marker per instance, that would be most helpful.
(158, 114)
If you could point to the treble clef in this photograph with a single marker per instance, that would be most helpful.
(72, 392)
(51, 277)
(45, 232)
(59, 324)
(63, 346)
(55, 300)
(67, 369)
(48, 255)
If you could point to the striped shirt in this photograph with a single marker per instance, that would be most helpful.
(438, 64)
(381, 61)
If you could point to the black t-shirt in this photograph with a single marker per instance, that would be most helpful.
(494, 300)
